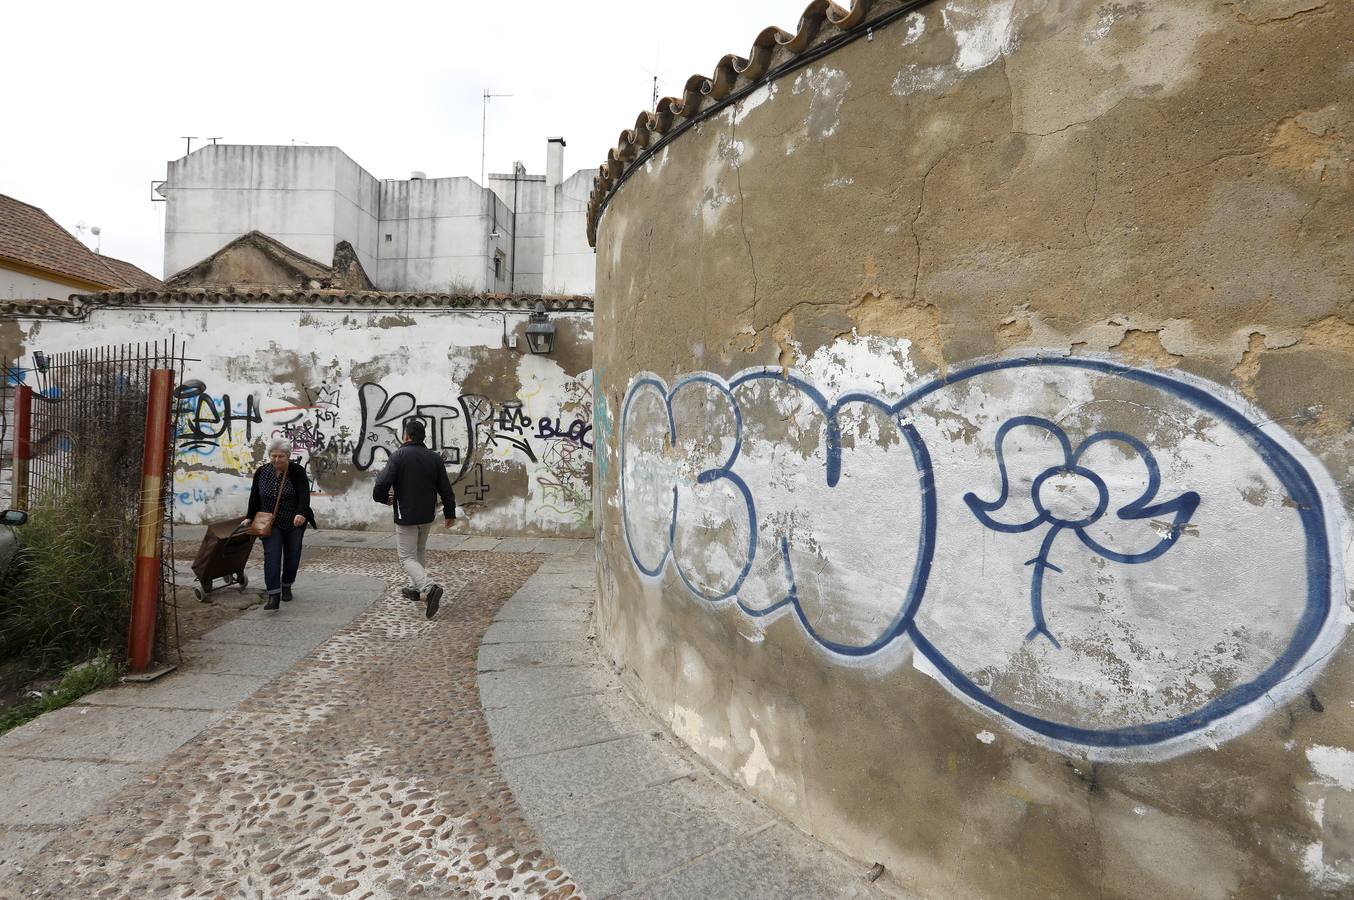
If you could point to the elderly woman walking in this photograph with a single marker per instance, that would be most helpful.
(281, 485)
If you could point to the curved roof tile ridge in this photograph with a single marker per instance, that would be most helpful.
(79, 306)
(822, 21)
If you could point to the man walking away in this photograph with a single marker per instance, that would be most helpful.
(412, 480)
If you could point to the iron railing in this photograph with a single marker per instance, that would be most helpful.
(88, 423)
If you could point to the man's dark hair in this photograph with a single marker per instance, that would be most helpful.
(415, 431)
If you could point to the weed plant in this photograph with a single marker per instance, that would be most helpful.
(67, 594)
(78, 681)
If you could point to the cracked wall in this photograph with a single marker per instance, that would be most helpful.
(514, 428)
(877, 340)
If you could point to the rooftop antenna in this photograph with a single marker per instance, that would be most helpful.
(484, 125)
(189, 139)
(95, 230)
(214, 140)
(654, 74)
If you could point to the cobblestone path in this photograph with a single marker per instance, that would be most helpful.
(364, 771)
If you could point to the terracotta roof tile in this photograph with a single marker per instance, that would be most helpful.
(79, 306)
(31, 237)
(130, 276)
(822, 27)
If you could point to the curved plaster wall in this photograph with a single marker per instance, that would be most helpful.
(973, 420)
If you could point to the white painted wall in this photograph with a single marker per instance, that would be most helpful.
(514, 428)
(16, 285)
(570, 263)
(309, 198)
(430, 234)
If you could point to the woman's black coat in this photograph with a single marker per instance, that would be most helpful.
(300, 484)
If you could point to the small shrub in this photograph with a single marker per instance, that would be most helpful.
(78, 681)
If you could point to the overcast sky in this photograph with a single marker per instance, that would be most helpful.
(100, 93)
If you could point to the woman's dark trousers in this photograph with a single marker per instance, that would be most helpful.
(281, 557)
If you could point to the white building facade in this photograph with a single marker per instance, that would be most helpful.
(520, 234)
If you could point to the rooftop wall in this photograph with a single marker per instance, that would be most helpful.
(974, 455)
(427, 234)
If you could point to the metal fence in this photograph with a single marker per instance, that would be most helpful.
(87, 430)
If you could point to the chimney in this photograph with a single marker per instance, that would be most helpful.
(554, 161)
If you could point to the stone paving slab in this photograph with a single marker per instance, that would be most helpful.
(517, 687)
(480, 542)
(103, 733)
(530, 654)
(556, 545)
(55, 792)
(517, 632)
(181, 690)
(776, 862)
(274, 632)
(517, 545)
(579, 777)
(645, 835)
(224, 658)
(567, 722)
(549, 588)
(562, 610)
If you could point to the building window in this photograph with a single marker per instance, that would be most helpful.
(498, 265)
(389, 238)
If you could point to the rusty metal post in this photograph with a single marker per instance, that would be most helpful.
(23, 445)
(146, 579)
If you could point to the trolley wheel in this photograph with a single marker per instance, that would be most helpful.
(242, 580)
(198, 593)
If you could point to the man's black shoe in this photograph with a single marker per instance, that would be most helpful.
(286, 595)
(434, 599)
(272, 602)
(409, 593)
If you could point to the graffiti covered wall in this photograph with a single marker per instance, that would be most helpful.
(974, 445)
(514, 429)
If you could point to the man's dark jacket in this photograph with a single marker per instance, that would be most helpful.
(296, 474)
(419, 477)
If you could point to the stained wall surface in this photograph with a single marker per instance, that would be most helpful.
(338, 382)
(973, 420)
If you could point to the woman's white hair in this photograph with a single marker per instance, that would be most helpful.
(279, 444)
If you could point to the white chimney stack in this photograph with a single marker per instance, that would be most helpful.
(554, 161)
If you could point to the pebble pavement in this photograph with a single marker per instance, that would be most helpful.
(366, 770)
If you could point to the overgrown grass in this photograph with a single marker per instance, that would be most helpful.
(78, 681)
(67, 594)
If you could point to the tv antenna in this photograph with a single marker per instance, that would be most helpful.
(189, 139)
(95, 230)
(484, 126)
(654, 74)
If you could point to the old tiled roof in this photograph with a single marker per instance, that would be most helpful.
(80, 306)
(823, 27)
(300, 268)
(129, 276)
(30, 237)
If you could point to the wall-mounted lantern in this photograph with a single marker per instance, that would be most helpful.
(540, 331)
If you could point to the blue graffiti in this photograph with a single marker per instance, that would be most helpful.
(1180, 509)
(1292, 475)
